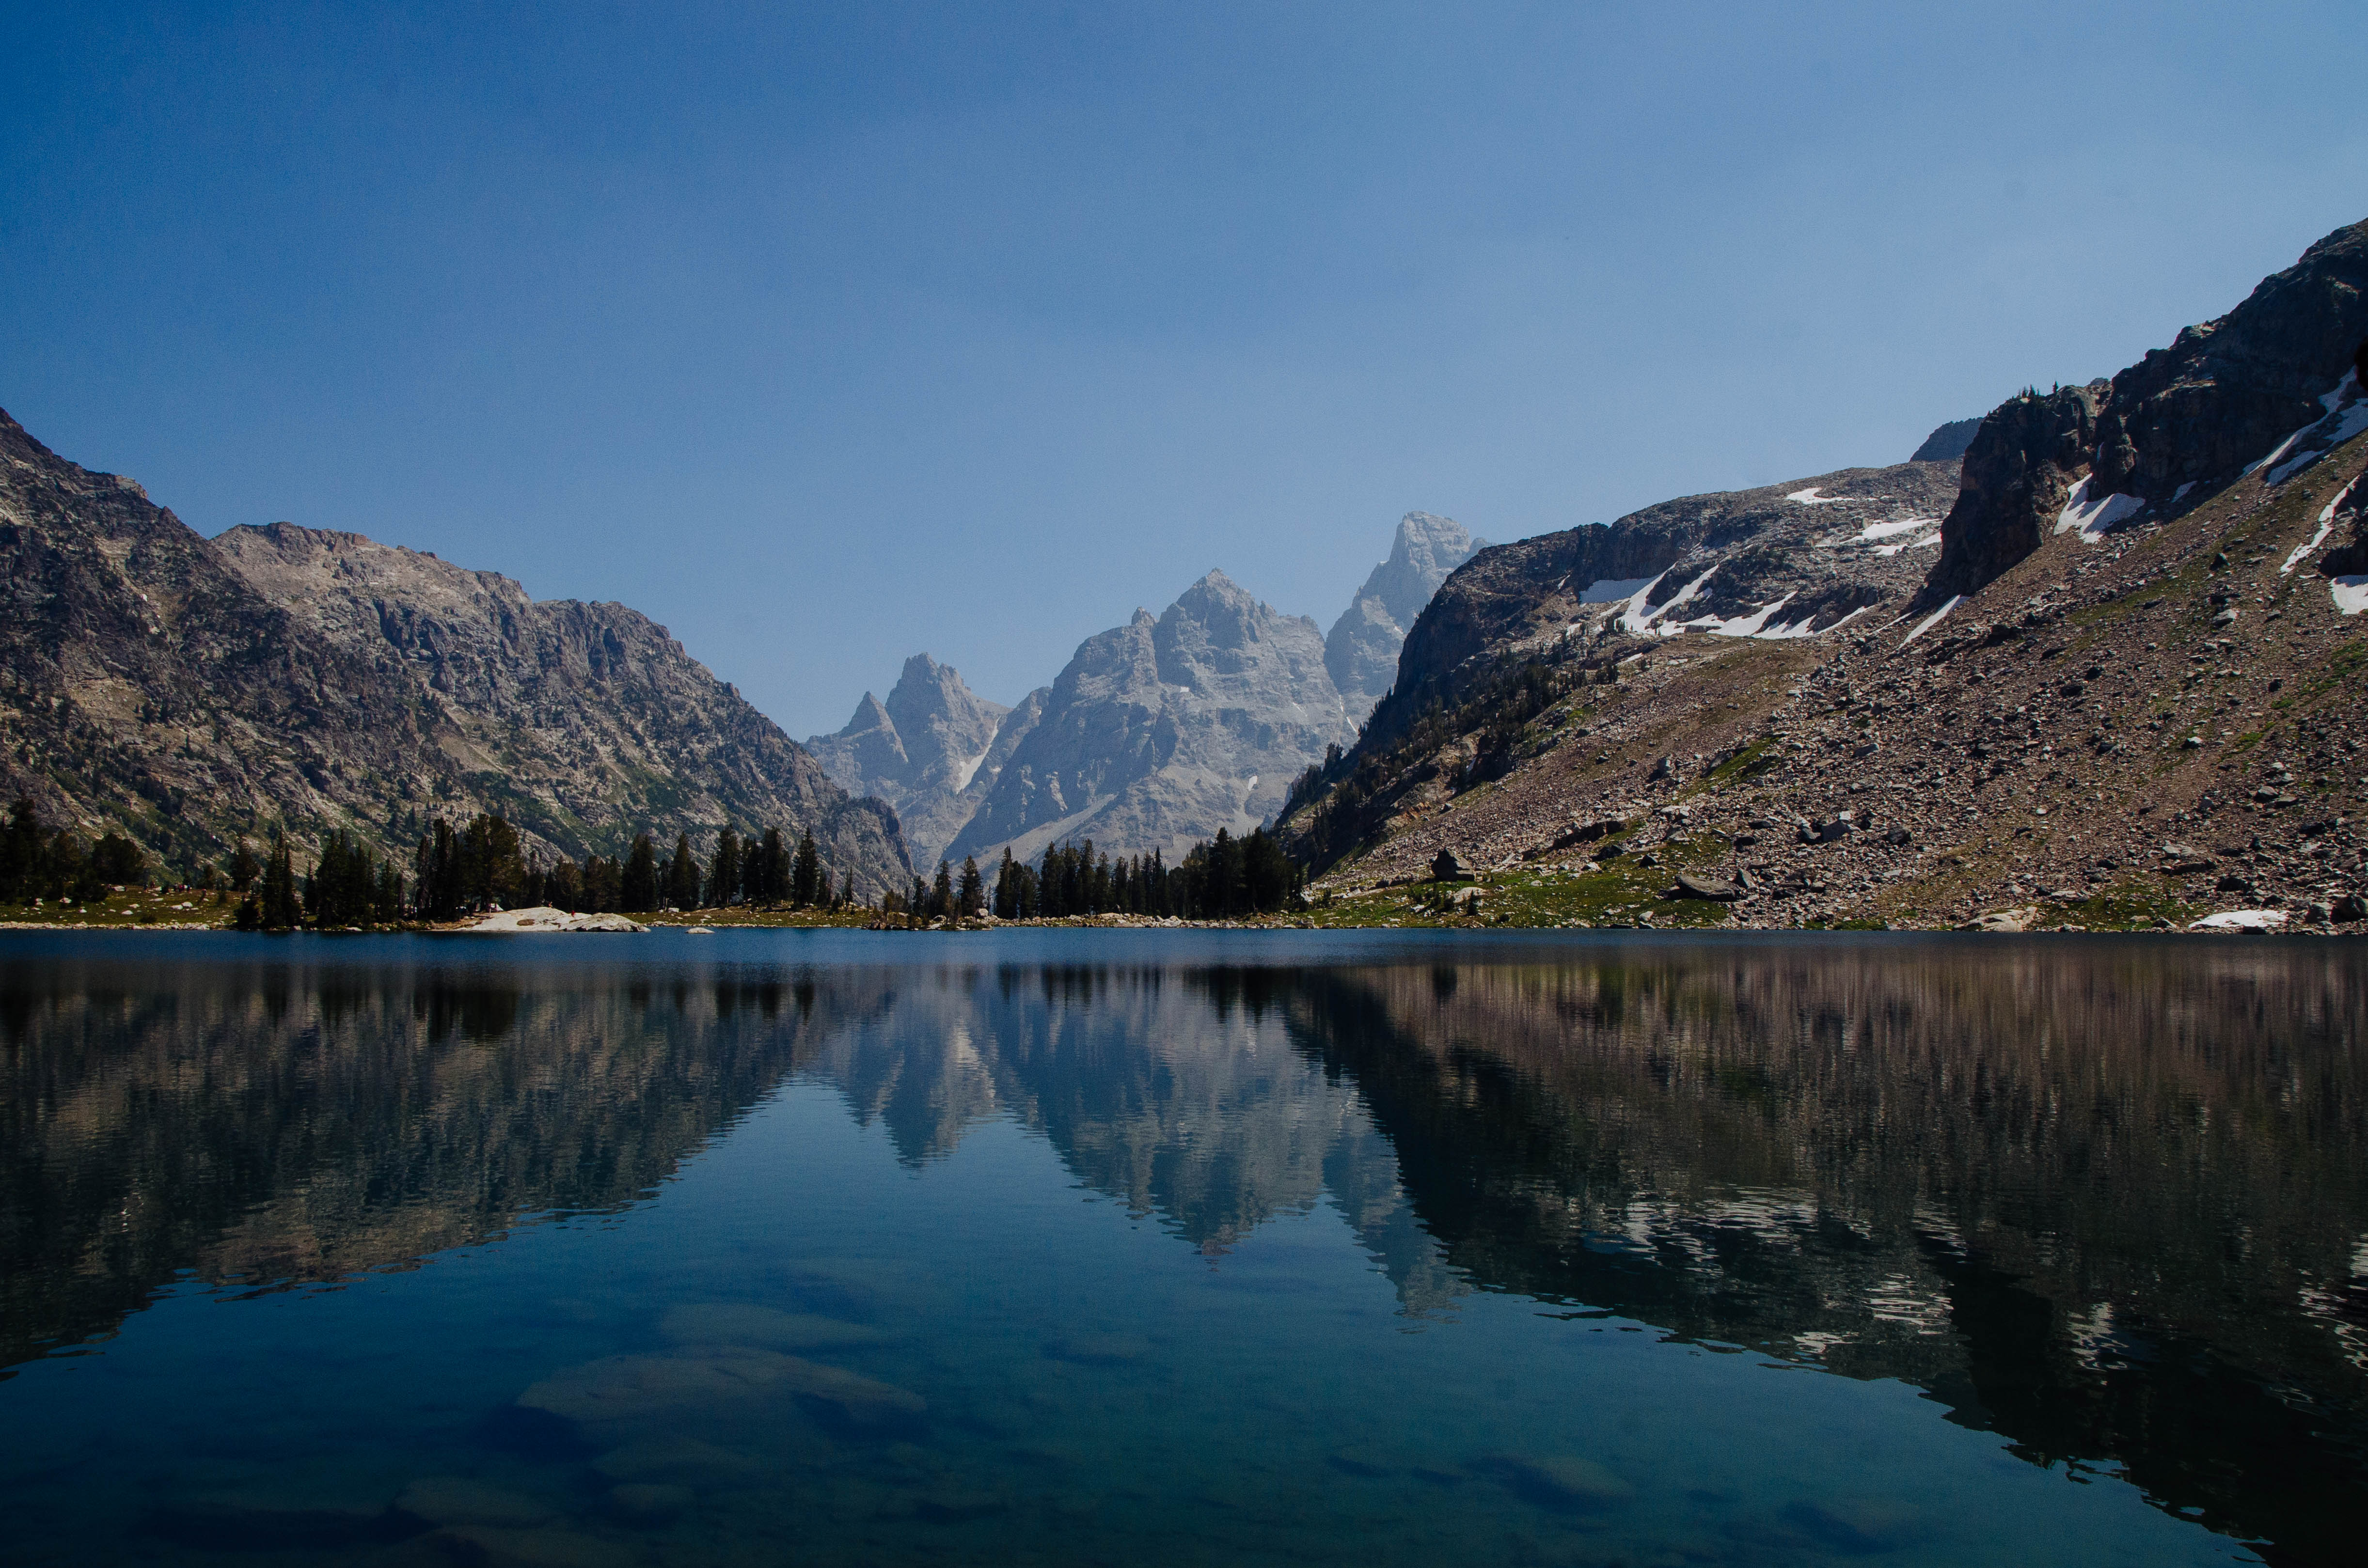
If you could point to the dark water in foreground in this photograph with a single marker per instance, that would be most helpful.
(1091, 1247)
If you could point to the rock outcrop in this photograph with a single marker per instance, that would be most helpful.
(1160, 731)
(2273, 383)
(1947, 443)
(1361, 651)
(932, 751)
(193, 692)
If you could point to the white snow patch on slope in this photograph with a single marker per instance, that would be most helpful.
(968, 770)
(2351, 593)
(1924, 544)
(2352, 421)
(1604, 590)
(1637, 617)
(2326, 524)
(1810, 497)
(1933, 620)
(1750, 625)
(2095, 518)
(1874, 531)
(2180, 494)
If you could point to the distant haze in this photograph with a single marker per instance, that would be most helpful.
(824, 334)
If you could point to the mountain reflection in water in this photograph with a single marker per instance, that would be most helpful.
(2107, 1199)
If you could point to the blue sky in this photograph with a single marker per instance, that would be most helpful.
(826, 334)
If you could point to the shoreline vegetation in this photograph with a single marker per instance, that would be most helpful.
(49, 880)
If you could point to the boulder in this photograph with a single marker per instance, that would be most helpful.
(1446, 868)
(1692, 886)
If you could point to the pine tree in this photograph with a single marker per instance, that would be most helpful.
(970, 896)
(941, 892)
(21, 854)
(640, 891)
(805, 877)
(277, 903)
(682, 875)
(724, 875)
(774, 866)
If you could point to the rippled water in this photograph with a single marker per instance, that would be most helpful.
(1091, 1247)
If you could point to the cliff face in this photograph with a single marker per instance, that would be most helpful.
(932, 751)
(196, 692)
(2273, 382)
(1362, 652)
(1160, 731)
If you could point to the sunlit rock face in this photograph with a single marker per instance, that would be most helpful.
(932, 751)
(1160, 731)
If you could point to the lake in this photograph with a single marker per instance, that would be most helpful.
(1100, 1247)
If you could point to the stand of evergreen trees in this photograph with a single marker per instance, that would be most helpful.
(56, 865)
(1217, 880)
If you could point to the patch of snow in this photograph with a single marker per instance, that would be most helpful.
(1605, 590)
(1742, 625)
(1874, 531)
(2326, 524)
(1933, 620)
(1810, 497)
(2351, 593)
(2180, 494)
(2339, 427)
(1655, 621)
(964, 774)
(2095, 518)
(2241, 920)
(1925, 543)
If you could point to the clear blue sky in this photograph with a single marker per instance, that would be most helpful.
(826, 334)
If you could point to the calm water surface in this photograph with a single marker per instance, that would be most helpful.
(1095, 1247)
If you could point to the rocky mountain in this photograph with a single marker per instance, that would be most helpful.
(1777, 564)
(2272, 385)
(1361, 649)
(193, 692)
(2126, 691)
(932, 751)
(1160, 731)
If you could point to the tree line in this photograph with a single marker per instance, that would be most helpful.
(1218, 879)
(57, 865)
(479, 864)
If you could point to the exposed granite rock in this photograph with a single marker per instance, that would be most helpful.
(2277, 369)
(194, 692)
(1947, 443)
(1160, 731)
(1361, 651)
(931, 751)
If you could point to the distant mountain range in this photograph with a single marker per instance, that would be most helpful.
(196, 692)
(1156, 734)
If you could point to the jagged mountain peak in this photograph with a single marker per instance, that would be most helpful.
(1362, 652)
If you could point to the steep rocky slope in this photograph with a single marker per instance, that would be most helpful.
(2094, 715)
(195, 692)
(1361, 649)
(1160, 731)
(932, 751)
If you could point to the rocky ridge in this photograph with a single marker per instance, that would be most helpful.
(193, 692)
(2148, 716)
(1160, 731)
(932, 751)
